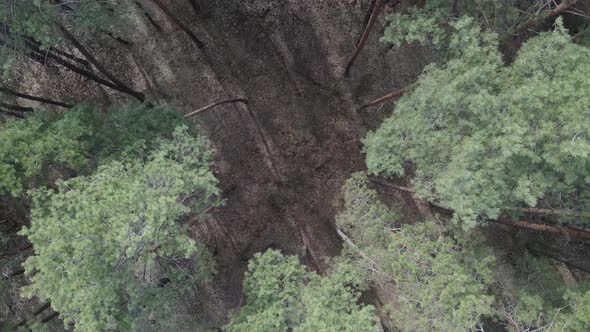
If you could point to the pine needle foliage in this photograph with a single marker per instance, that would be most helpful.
(96, 236)
(431, 22)
(483, 137)
(283, 296)
(442, 278)
(44, 146)
(449, 279)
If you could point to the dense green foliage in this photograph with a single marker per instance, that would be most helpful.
(283, 296)
(447, 279)
(483, 137)
(433, 21)
(45, 146)
(96, 236)
(441, 278)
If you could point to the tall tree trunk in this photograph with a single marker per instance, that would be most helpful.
(29, 97)
(179, 23)
(99, 66)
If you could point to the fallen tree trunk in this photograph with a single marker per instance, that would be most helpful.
(580, 234)
(556, 257)
(215, 104)
(573, 233)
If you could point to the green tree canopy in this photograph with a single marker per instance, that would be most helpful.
(483, 137)
(42, 146)
(441, 279)
(96, 236)
(283, 296)
(432, 21)
(449, 279)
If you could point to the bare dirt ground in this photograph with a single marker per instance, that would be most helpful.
(284, 157)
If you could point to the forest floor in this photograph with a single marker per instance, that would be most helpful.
(282, 159)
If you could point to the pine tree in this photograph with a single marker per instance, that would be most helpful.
(283, 296)
(484, 137)
(107, 245)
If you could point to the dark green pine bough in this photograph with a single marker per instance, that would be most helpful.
(484, 137)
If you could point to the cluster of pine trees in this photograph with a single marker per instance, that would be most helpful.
(486, 132)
